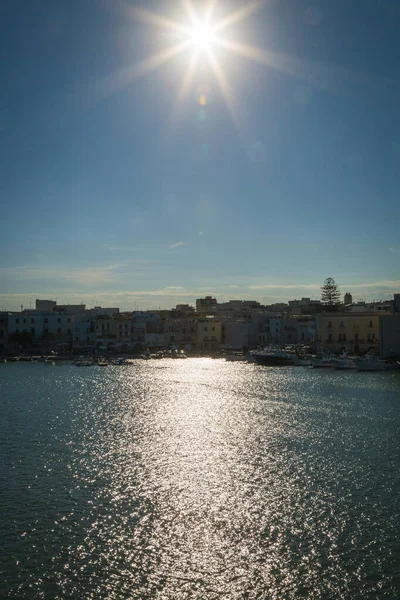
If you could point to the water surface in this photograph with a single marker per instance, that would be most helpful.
(198, 479)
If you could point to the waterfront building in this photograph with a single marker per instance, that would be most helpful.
(209, 331)
(83, 334)
(3, 331)
(181, 333)
(349, 331)
(106, 331)
(236, 334)
(389, 336)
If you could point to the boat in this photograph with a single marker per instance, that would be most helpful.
(102, 362)
(344, 362)
(273, 358)
(302, 361)
(321, 362)
(373, 363)
(235, 356)
(119, 361)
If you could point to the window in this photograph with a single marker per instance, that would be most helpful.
(24, 321)
(33, 331)
(213, 328)
(329, 324)
(120, 326)
(69, 332)
(59, 331)
(205, 328)
(69, 320)
(58, 320)
(17, 320)
(46, 320)
(356, 337)
(32, 320)
(330, 337)
(341, 324)
(17, 331)
(370, 323)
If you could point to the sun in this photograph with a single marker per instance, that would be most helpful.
(202, 36)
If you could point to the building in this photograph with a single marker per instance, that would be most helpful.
(396, 304)
(206, 306)
(83, 334)
(3, 331)
(106, 331)
(181, 333)
(236, 334)
(348, 331)
(348, 298)
(45, 305)
(237, 308)
(209, 331)
(389, 336)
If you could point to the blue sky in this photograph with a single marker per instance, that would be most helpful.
(116, 190)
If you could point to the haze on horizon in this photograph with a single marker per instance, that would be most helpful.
(144, 164)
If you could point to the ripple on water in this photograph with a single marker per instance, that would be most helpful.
(199, 479)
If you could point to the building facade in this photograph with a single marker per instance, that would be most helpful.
(348, 331)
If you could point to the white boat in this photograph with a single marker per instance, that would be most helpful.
(321, 362)
(302, 361)
(374, 363)
(344, 362)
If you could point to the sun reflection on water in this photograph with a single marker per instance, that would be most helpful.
(204, 479)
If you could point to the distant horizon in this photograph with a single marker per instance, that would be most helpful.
(168, 298)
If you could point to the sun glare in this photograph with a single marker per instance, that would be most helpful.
(202, 36)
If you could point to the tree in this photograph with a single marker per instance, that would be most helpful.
(330, 295)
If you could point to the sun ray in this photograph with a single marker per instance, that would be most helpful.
(190, 11)
(110, 84)
(188, 78)
(152, 18)
(239, 15)
(184, 87)
(209, 12)
(312, 72)
(229, 97)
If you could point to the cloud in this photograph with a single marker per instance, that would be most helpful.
(176, 245)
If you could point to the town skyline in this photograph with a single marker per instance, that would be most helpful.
(165, 299)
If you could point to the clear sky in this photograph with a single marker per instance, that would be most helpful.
(273, 164)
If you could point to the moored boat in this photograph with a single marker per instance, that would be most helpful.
(373, 363)
(344, 362)
(321, 362)
(302, 361)
(273, 358)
